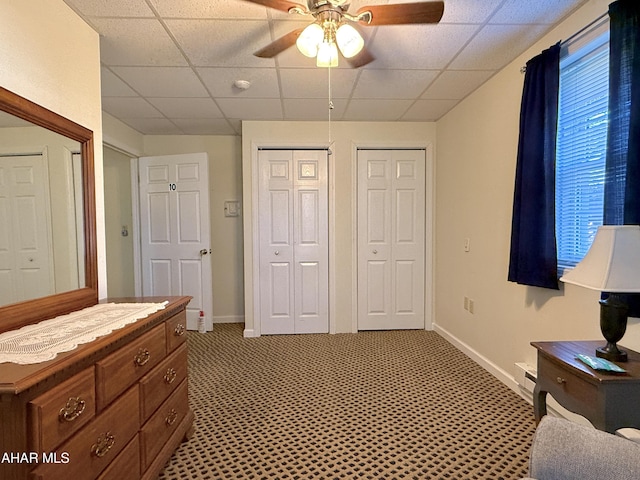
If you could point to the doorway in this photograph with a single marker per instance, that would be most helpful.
(175, 233)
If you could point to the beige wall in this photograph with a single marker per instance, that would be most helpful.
(52, 57)
(225, 183)
(342, 199)
(476, 155)
(118, 214)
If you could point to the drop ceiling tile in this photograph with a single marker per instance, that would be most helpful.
(228, 43)
(162, 81)
(456, 84)
(313, 109)
(469, 11)
(540, 11)
(205, 126)
(220, 82)
(112, 86)
(497, 45)
(314, 82)
(126, 41)
(209, 9)
(127, 107)
(393, 83)
(428, 47)
(428, 110)
(250, 109)
(196, 108)
(153, 126)
(378, 110)
(236, 124)
(112, 8)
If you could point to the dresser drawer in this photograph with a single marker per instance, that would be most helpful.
(157, 385)
(566, 387)
(94, 447)
(162, 424)
(118, 371)
(176, 330)
(126, 465)
(62, 411)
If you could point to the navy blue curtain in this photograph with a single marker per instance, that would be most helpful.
(622, 179)
(533, 257)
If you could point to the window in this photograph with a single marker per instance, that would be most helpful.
(581, 149)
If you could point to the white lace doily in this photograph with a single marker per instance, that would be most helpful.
(43, 341)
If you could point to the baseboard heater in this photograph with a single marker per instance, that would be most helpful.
(526, 376)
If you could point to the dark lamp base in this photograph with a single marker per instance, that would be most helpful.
(613, 324)
(612, 356)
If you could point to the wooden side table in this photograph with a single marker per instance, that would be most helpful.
(608, 401)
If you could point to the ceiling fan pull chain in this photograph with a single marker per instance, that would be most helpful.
(330, 108)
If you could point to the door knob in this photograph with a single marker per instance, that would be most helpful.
(204, 251)
(375, 252)
(277, 252)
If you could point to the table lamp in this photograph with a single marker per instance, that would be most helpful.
(612, 265)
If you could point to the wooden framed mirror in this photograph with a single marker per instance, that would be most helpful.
(15, 315)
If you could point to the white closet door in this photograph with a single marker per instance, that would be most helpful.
(293, 241)
(391, 230)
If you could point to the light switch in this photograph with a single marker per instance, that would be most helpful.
(467, 244)
(231, 208)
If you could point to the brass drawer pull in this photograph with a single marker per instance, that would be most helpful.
(103, 445)
(142, 357)
(171, 418)
(179, 330)
(560, 380)
(170, 376)
(72, 410)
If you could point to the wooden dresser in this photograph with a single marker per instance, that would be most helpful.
(114, 408)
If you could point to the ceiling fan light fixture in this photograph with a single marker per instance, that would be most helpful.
(309, 40)
(327, 55)
(349, 40)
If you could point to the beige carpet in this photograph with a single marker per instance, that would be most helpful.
(387, 405)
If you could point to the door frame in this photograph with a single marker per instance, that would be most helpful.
(429, 232)
(255, 147)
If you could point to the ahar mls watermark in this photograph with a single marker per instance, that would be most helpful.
(35, 457)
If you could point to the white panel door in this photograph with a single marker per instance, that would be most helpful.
(26, 257)
(391, 230)
(294, 273)
(175, 232)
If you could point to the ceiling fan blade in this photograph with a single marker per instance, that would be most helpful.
(361, 59)
(276, 4)
(279, 45)
(403, 13)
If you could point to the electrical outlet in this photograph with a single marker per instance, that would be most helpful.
(471, 306)
(467, 244)
(466, 303)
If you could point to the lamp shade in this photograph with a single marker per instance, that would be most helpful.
(612, 264)
(327, 55)
(349, 40)
(309, 40)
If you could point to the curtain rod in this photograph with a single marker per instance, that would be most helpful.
(577, 34)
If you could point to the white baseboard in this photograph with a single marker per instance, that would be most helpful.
(228, 319)
(249, 333)
(483, 361)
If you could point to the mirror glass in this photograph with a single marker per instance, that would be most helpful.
(41, 217)
(48, 259)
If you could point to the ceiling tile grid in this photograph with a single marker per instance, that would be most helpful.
(170, 66)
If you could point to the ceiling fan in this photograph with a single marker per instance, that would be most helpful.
(332, 29)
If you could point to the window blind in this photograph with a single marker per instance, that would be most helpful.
(581, 149)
